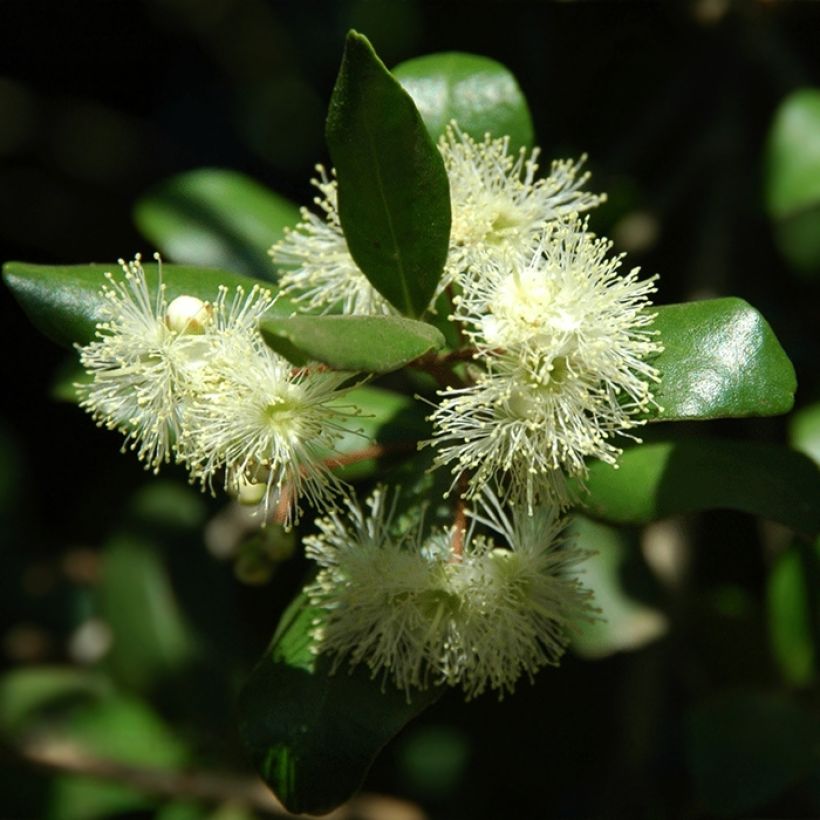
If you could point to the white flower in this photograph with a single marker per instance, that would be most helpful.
(139, 365)
(564, 342)
(499, 207)
(321, 273)
(257, 419)
(420, 615)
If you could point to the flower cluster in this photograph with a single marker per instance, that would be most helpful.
(406, 607)
(194, 381)
(555, 365)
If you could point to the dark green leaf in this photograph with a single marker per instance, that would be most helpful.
(394, 197)
(374, 344)
(720, 359)
(480, 94)
(65, 301)
(151, 639)
(665, 478)
(313, 735)
(213, 217)
(746, 748)
(793, 178)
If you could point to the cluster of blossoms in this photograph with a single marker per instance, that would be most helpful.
(555, 363)
(195, 382)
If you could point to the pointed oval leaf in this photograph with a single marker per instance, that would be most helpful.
(216, 218)
(312, 735)
(666, 478)
(482, 95)
(373, 344)
(394, 197)
(65, 302)
(720, 360)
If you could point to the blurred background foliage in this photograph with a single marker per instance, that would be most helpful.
(132, 608)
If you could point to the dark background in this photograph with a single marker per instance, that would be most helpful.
(672, 101)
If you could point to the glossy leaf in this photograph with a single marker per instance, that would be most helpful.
(482, 95)
(793, 178)
(373, 344)
(213, 217)
(665, 478)
(313, 735)
(720, 359)
(746, 748)
(65, 301)
(626, 623)
(394, 197)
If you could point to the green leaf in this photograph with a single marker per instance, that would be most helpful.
(374, 344)
(626, 623)
(792, 605)
(65, 301)
(720, 359)
(793, 178)
(670, 477)
(394, 197)
(480, 94)
(152, 640)
(804, 431)
(213, 217)
(747, 748)
(313, 735)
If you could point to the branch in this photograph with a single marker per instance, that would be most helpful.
(208, 786)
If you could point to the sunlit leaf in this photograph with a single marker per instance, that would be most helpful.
(659, 479)
(720, 359)
(479, 93)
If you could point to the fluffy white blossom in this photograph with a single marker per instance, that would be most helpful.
(499, 205)
(255, 419)
(139, 366)
(563, 342)
(416, 613)
(320, 273)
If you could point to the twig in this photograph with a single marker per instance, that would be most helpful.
(207, 786)
(371, 451)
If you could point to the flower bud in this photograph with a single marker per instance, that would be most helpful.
(188, 314)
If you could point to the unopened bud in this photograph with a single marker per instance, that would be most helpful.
(188, 314)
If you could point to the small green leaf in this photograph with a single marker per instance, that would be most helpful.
(373, 344)
(394, 196)
(720, 359)
(791, 599)
(313, 735)
(746, 748)
(804, 431)
(793, 178)
(152, 640)
(214, 217)
(65, 301)
(666, 478)
(480, 94)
